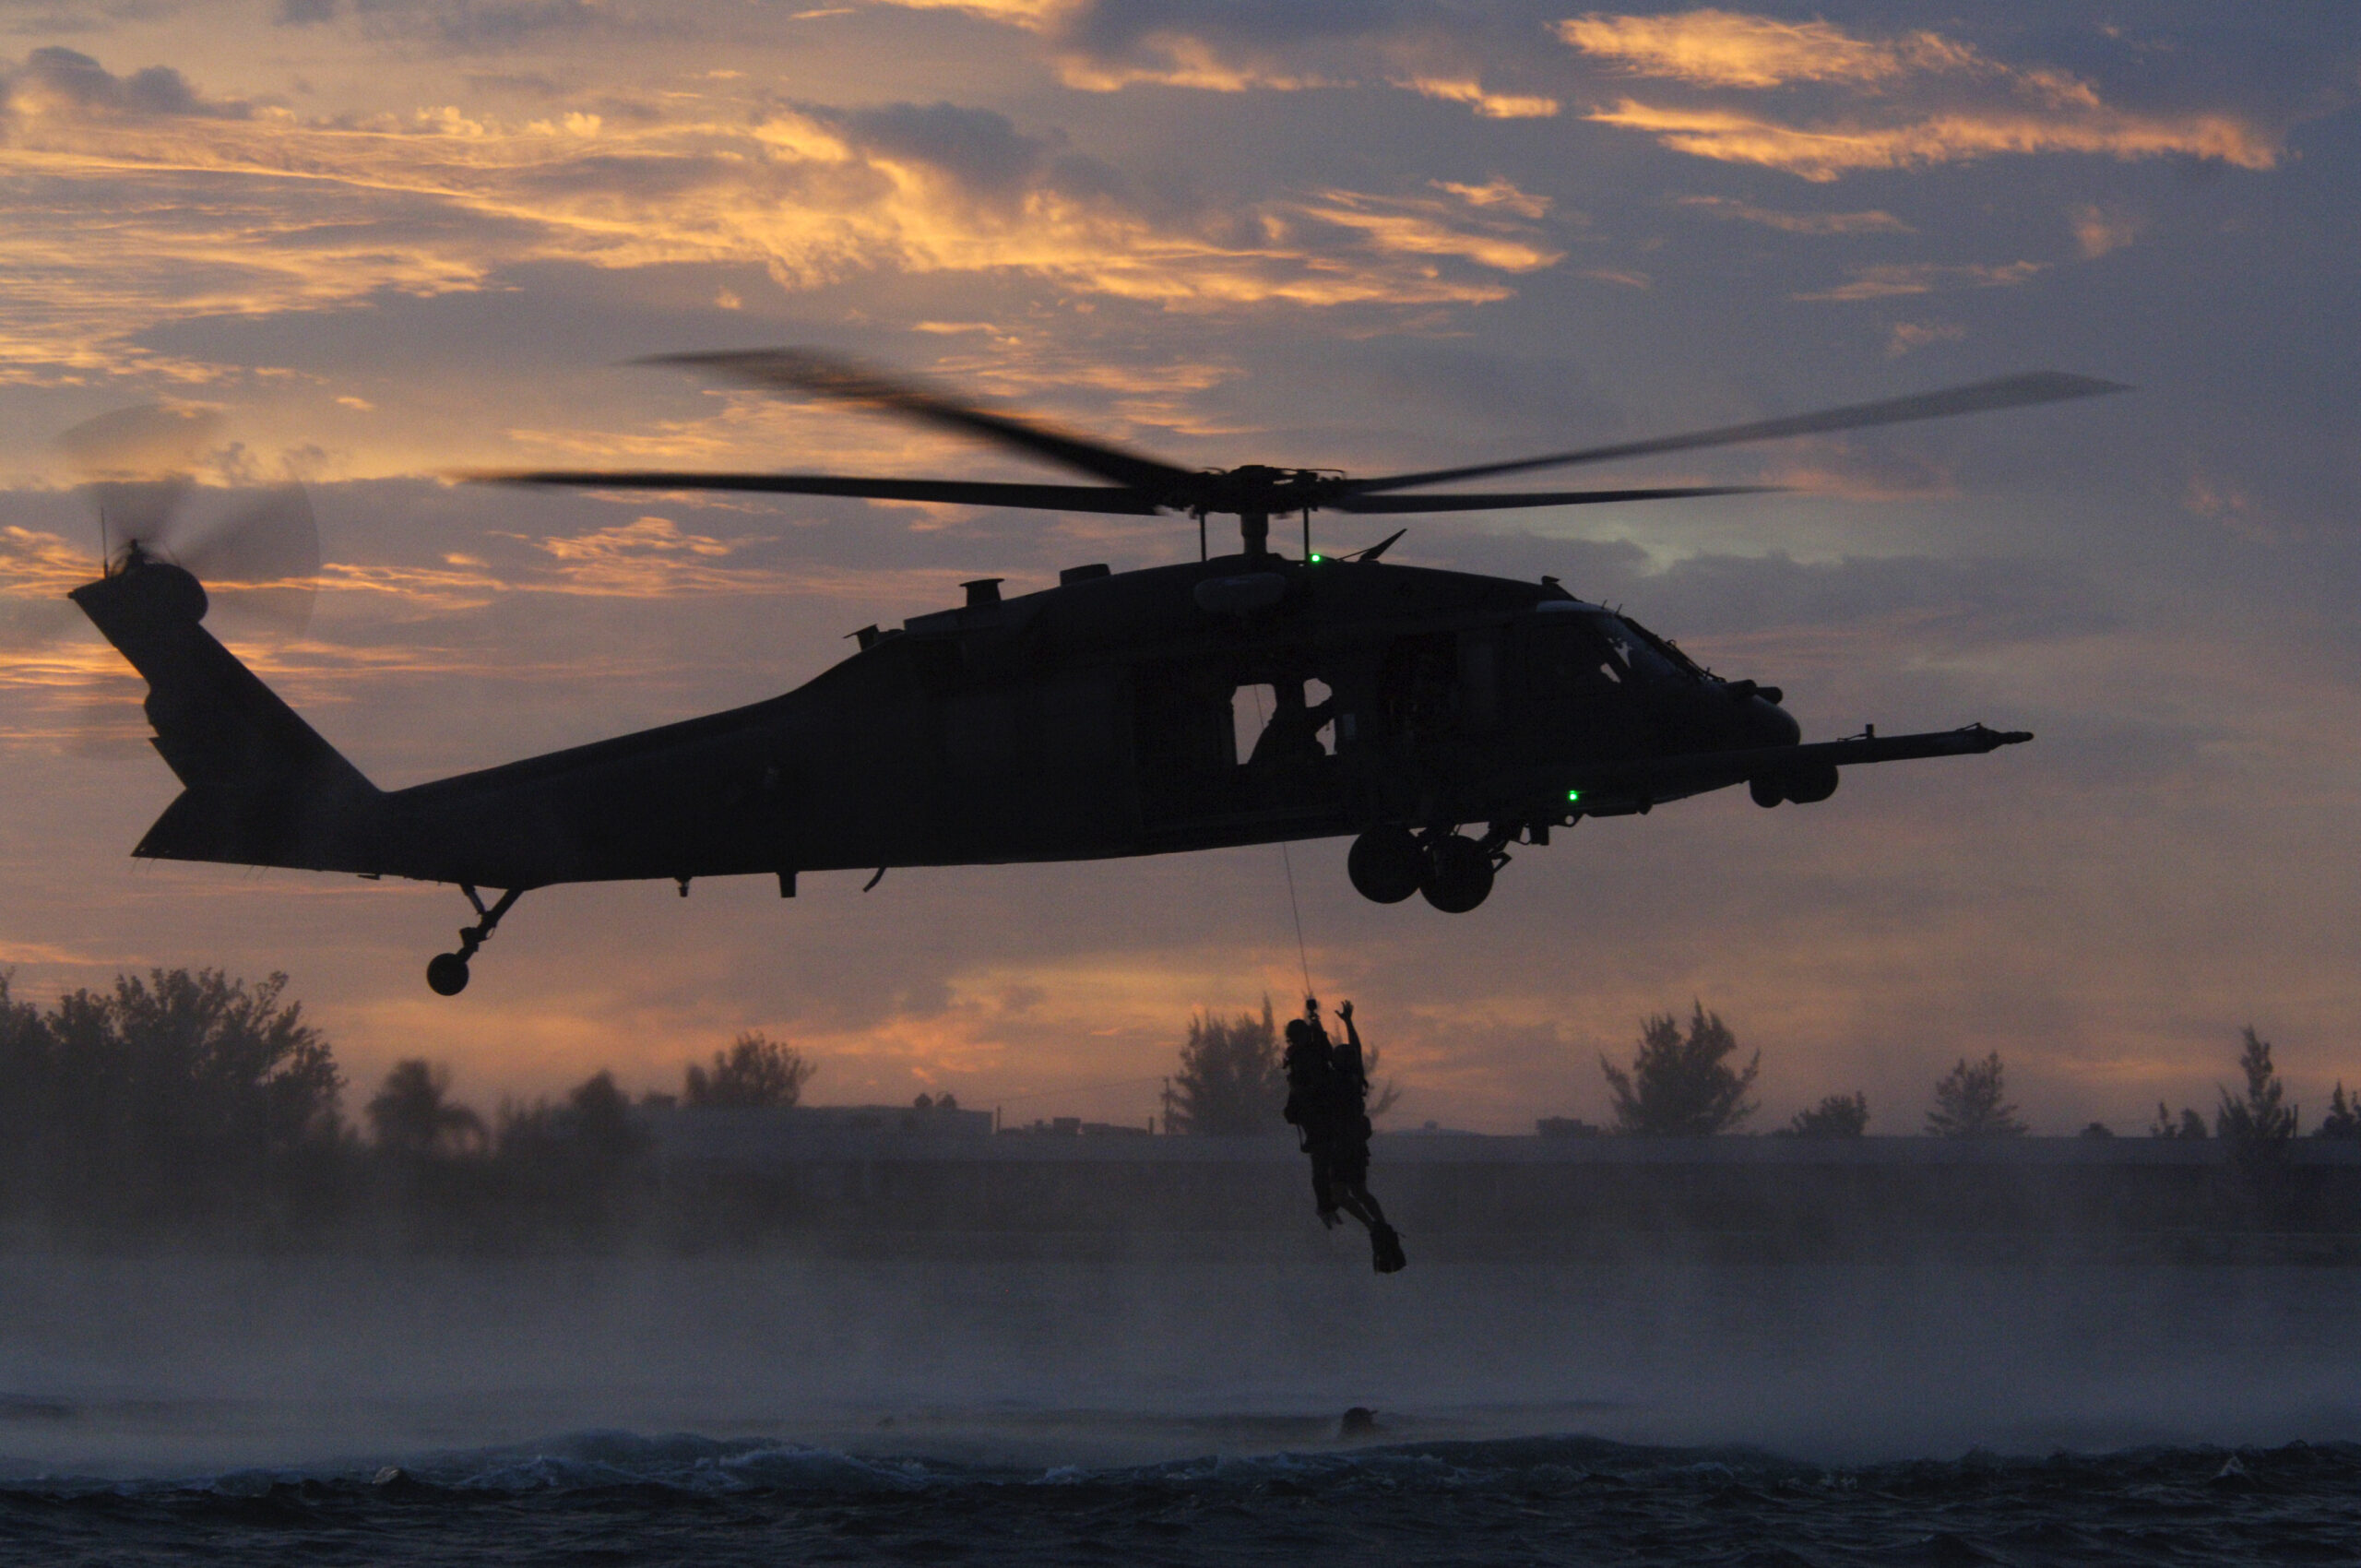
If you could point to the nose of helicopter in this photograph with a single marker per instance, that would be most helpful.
(1762, 722)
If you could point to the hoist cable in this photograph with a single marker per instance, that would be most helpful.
(1302, 954)
(1294, 906)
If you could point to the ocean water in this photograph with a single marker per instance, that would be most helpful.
(616, 1497)
(770, 1409)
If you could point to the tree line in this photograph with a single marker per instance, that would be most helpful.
(188, 1099)
(1684, 1081)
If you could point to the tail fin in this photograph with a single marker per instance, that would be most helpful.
(263, 787)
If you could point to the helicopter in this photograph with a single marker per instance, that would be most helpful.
(1437, 717)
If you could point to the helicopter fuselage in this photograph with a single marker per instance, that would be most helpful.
(1102, 718)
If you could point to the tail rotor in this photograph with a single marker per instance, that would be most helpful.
(255, 549)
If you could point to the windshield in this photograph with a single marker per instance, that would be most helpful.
(1644, 651)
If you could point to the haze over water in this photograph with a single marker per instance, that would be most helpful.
(159, 1365)
(802, 1396)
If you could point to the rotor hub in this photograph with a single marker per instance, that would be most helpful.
(1257, 487)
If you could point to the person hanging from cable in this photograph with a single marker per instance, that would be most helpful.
(1328, 1103)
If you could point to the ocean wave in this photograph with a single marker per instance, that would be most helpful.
(720, 1503)
(603, 1460)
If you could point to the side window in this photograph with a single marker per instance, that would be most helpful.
(1564, 658)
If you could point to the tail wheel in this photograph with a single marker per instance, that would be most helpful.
(446, 974)
(1459, 875)
(1386, 864)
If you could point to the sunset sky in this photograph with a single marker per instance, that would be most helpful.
(390, 239)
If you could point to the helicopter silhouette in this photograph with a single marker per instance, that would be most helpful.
(1090, 720)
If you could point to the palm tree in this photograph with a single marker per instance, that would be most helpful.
(1230, 1080)
(1679, 1086)
(1970, 1104)
(2257, 1124)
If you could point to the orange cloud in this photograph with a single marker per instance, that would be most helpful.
(1429, 66)
(1921, 99)
(42, 566)
(1500, 193)
(1825, 151)
(1488, 104)
(1714, 48)
(648, 558)
(1178, 60)
(1411, 227)
(1034, 16)
(131, 220)
(1871, 222)
(1909, 334)
(1889, 281)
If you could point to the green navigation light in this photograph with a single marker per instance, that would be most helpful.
(1317, 559)
(1573, 794)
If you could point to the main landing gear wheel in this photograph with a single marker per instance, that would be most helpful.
(1386, 864)
(446, 974)
(1459, 875)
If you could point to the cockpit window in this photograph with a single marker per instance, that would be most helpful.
(1569, 656)
(1646, 652)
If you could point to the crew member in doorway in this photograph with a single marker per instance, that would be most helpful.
(1328, 1103)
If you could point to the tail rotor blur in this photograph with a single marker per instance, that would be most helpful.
(255, 550)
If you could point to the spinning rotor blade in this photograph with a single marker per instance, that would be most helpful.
(1497, 502)
(146, 443)
(261, 562)
(259, 557)
(136, 510)
(972, 493)
(825, 376)
(135, 464)
(2007, 392)
(258, 553)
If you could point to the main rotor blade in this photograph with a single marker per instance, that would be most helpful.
(1498, 502)
(960, 492)
(149, 442)
(2007, 392)
(825, 376)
